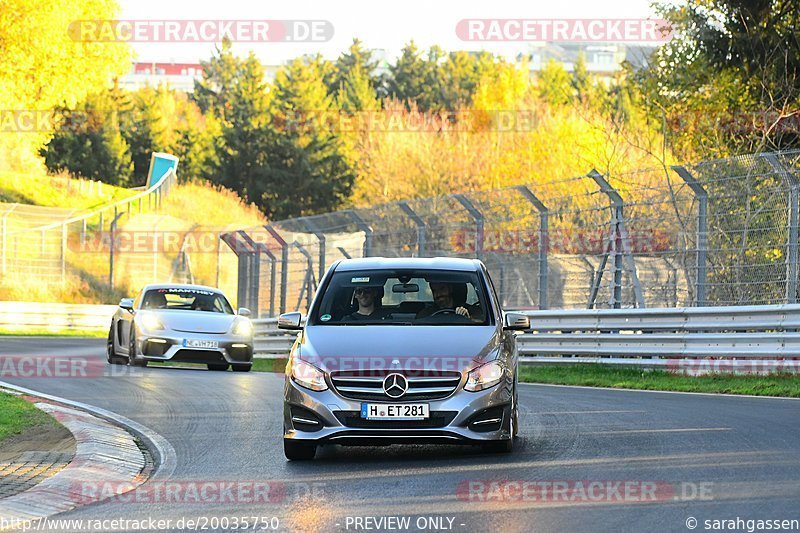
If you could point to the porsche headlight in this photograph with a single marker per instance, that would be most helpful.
(150, 322)
(484, 376)
(307, 375)
(242, 327)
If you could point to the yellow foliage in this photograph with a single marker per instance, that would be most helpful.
(42, 66)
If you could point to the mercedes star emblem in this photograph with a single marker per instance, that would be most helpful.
(395, 385)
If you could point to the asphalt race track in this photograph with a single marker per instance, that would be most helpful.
(587, 459)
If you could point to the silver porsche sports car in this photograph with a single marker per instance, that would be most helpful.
(181, 323)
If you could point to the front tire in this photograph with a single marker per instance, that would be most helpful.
(111, 352)
(132, 351)
(241, 368)
(297, 450)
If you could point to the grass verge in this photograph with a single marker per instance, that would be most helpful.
(18, 414)
(787, 385)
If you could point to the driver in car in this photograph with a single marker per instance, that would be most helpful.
(443, 300)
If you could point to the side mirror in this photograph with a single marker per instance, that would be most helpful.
(516, 321)
(290, 321)
(127, 304)
(243, 311)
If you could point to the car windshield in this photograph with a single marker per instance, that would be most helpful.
(403, 297)
(186, 300)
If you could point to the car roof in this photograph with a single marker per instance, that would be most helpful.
(422, 263)
(180, 286)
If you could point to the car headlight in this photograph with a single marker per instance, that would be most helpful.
(484, 376)
(150, 322)
(242, 327)
(308, 376)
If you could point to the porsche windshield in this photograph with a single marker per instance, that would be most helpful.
(420, 297)
(186, 300)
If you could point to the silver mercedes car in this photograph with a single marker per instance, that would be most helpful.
(402, 351)
(181, 323)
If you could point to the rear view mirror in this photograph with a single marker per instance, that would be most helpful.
(126, 303)
(405, 287)
(243, 311)
(516, 321)
(290, 321)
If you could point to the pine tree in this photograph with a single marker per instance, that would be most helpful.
(309, 170)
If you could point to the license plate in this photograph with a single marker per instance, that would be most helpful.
(400, 411)
(199, 343)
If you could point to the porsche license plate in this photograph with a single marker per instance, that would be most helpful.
(400, 411)
(200, 343)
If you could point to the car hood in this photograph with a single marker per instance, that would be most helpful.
(344, 348)
(196, 321)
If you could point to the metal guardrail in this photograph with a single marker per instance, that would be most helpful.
(641, 337)
(54, 316)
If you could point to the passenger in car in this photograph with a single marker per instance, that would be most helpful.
(369, 304)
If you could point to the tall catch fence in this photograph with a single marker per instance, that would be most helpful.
(716, 233)
(120, 246)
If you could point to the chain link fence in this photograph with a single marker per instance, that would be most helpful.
(113, 250)
(716, 233)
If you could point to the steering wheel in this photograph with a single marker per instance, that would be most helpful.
(444, 312)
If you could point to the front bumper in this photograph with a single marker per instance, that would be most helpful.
(461, 418)
(169, 346)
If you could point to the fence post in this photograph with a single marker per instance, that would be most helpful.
(791, 255)
(477, 216)
(309, 284)
(366, 228)
(272, 261)
(313, 228)
(420, 227)
(4, 237)
(544, 241)
(284, 265)
(702, 232)
(63, 253)
(618, 243)
(112, 230)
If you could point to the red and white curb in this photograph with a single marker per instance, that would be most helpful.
(104, 453)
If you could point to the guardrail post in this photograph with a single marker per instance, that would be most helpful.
(544, 241)
(284, 265)
(420, 227)
(477, 216)
(313, 228)
(366, 228)
(618, 244)
(791, 252)
(702, 232)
